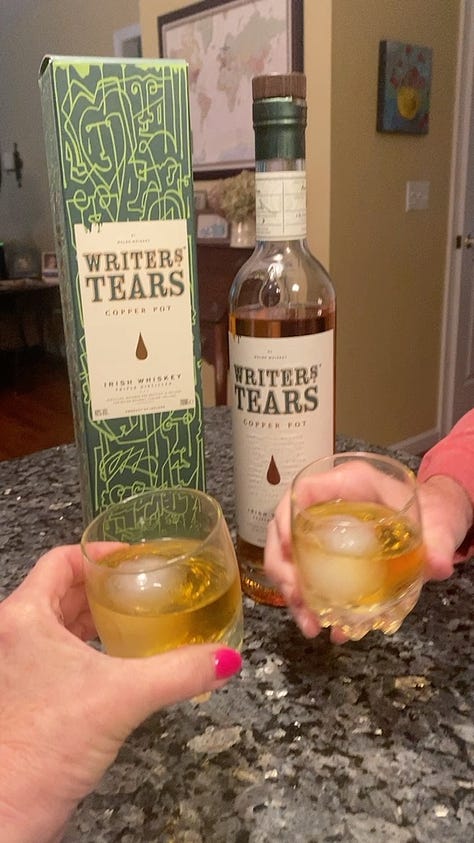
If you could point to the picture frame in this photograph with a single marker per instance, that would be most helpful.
(212, 228)
(404, 88)
(200, 200)
(128, 41)
(49, 265)
(23, 261)
(217, 40)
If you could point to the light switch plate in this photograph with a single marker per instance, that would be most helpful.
(417, 195)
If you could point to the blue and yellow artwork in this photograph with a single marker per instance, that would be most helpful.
(404, 88)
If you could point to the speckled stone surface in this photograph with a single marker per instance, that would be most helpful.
(372, 741)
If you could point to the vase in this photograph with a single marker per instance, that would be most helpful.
(242, 234)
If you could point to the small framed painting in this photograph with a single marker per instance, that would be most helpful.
(404, 88)
(212, 227)
(128, 41)
(49, 265)
(200, 200)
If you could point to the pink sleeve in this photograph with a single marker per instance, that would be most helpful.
(454, 456)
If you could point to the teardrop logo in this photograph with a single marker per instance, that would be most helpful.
(273, 475)
(141, 350)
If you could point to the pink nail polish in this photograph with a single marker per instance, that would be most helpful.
(227, 662)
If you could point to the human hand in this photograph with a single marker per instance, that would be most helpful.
(66, 708)
(280, 569)
(446, 513)
(354, 480)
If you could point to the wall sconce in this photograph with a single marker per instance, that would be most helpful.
(11, 162)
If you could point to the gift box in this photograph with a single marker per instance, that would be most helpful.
(118, 145)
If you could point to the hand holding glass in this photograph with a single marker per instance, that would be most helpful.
(357, 541)
(161, 572)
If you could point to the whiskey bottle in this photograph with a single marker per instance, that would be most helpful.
(281, 332)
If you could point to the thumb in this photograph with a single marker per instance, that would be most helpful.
(142, 686)
(440, 549)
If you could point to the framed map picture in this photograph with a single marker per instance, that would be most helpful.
(226, 44)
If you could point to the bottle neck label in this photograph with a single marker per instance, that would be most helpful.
(280, 205)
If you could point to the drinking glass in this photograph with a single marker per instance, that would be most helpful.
(357, 541)
(161, 572)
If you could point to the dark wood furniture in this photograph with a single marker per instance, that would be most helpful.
(24, 302)
(26, 308)
(217, 266)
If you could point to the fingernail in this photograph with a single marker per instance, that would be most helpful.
(227, 663)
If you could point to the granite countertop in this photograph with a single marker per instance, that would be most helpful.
(370, 741)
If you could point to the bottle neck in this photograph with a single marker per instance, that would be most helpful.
(279, 125)
(280, 193)
(280, 173)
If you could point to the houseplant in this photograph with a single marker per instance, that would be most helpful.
(234, 197)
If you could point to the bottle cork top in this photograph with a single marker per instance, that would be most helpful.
(279, 85)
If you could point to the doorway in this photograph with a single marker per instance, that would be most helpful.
(457, 348)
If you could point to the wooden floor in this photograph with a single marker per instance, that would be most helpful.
(35, 404)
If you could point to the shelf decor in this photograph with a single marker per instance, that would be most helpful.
(234, 197)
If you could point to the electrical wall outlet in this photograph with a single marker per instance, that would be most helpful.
(417, 195)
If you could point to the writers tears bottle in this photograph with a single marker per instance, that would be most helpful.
(281, 332)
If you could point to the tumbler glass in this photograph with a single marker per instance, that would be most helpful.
(357, 541)
(161, 572)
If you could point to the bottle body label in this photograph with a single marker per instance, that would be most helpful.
(282, 419)
(134, 283)
(280, 198)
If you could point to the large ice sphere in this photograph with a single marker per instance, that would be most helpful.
(347, 535)
(145, 591)
(339, 562)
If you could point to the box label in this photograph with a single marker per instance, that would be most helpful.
(136, 304)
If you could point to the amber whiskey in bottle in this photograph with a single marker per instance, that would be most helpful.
(281, 332)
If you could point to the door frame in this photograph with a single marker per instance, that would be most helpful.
(464, 94)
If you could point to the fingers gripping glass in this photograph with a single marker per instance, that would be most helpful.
(357, 541)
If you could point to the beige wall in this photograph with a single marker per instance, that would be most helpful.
(388, 265)
(28, 30)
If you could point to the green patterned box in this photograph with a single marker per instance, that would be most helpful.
(118, 147)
